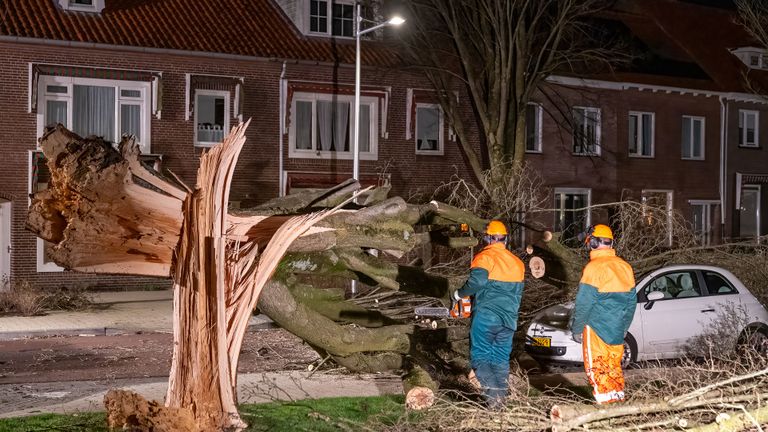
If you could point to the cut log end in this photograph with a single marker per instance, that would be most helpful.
(419, 398)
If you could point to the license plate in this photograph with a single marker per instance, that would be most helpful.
(541, 341)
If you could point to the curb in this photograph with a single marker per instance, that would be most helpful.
(255, 324)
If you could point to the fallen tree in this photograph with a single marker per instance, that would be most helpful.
(106, 212)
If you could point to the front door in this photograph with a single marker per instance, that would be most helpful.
(749, 219)
(5, 244)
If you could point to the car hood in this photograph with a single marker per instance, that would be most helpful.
(556, 316)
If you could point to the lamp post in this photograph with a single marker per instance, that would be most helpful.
(394, 21)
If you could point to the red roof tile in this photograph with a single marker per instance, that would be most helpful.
(256, 28)
(706, 35)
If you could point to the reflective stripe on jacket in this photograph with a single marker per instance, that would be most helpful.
(606, 299)
(496, 282)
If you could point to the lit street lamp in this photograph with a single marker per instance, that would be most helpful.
(394, 21)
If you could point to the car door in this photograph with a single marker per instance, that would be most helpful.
(722, 298)
(668, 323)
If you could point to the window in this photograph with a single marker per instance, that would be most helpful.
(211, 117)
(533, 114)
(105, 108)
(749, 128)
(641, 134)
(39, 176)
(322, 126)
(429, 129)
(705, 217)
(717, 284)
(571, 212)
(693, 137)
(586, 131)
(675, 285)
(342, 17)
(82, 5)
(657, 212)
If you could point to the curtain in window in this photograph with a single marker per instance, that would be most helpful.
(93, 111)
(303, 125)
(130, 120)
(55, 112)
(341, 126)
(325, 124)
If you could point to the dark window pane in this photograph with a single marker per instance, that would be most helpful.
(532, 128)
(717, 284)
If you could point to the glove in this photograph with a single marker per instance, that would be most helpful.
(577, 337)
(455, 296)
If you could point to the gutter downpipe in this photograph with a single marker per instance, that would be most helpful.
(281, 87)
(723, 163)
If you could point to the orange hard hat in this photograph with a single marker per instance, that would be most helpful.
(600, 231)
(496, 227)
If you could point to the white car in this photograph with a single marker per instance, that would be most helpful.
(673, 304)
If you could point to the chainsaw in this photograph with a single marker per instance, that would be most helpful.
(460, 309)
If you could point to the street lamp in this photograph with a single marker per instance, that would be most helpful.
(394, 21)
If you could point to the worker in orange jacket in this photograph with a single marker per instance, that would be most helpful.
(605, 306)
(496, 283)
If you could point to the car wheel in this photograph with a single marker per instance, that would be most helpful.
(630, 352)
(755, 339)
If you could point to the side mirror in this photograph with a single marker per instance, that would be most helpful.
(652, 297)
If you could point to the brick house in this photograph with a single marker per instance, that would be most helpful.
(682, 128)
(108, 67)
(178, 77)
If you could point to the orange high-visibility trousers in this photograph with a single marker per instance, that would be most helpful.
(602, 362)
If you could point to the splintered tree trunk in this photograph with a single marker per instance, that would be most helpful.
(105, 212)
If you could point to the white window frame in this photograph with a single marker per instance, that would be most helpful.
(144, 101)
(371, 102)
(41, 265)
(669, 204)
(703, 137)
(329, 17)
(743, 121)
(705, 237)
(573, 191)
(97, 6)
(598, 130)
(639, 115)
(227, 103)
(539, 118)
(440, 135)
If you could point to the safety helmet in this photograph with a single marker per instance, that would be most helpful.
(597, 232)
(496, 228)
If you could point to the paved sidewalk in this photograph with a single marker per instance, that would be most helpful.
(65, 398)
(115, 313)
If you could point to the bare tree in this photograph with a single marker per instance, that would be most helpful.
(501, 51)
(753, 15)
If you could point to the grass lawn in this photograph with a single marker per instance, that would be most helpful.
(330, 414)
